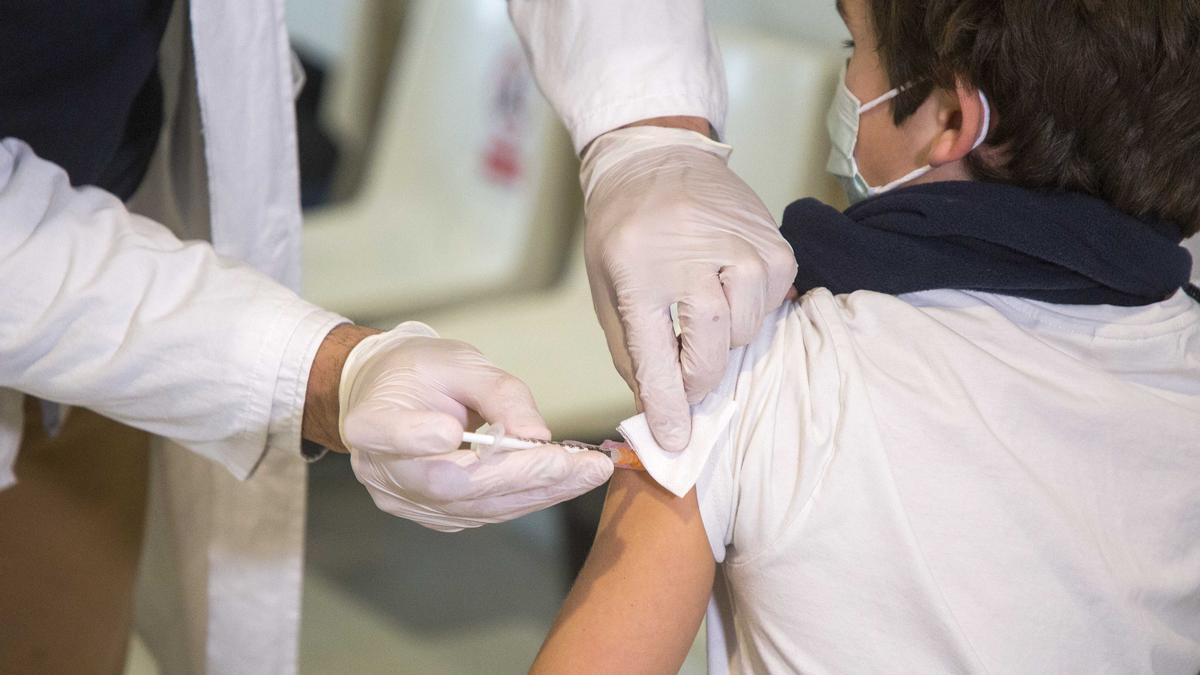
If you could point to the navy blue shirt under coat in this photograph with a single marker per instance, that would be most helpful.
(79, 83)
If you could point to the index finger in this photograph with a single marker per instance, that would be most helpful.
(654, 352)
(474, 382)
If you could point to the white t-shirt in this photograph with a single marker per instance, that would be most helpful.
(961, 482)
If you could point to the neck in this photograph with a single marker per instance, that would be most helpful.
(953, 171)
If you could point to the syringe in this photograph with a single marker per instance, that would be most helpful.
(620, 453)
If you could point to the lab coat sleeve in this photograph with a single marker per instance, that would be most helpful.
(606, 63)
(108, 310)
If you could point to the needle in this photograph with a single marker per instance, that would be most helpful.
(622, 455)
(517, 443)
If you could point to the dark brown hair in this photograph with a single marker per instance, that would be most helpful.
(1093, 96)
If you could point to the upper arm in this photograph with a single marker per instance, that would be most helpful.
(639, 600)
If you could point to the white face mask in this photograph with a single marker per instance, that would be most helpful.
(842, 122)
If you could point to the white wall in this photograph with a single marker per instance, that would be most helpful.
(321, 25)
(812, 20)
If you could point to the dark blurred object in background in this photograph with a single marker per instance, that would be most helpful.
(319, 152)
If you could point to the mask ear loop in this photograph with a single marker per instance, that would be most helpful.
(987, 121)
(881, 99)
(913, 175)
(884, 97)
(889, 95)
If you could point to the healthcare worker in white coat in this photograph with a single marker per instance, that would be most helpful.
(134, 133)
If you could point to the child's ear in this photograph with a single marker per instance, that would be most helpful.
(961, 117)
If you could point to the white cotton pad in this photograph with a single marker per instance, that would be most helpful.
(679, 471)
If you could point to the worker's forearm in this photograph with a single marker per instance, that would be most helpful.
(108, 310)
(685, 122)
(697, 124)
(321, 408)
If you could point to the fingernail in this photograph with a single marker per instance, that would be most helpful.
(535, 431)
(524, 426)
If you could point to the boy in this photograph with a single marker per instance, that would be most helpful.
(987, 459)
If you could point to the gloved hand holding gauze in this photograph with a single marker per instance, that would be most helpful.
(668, 222)
(678, 472)
(404, 398)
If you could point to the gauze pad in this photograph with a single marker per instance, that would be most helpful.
(679, 471)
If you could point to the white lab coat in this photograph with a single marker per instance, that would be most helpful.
(109, 310)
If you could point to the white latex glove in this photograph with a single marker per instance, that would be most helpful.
(668, 222)
(404, 398)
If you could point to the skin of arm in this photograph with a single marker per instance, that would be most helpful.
(697, 124)
(320, 421)
(639, 600)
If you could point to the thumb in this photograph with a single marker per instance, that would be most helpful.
(570, 475)
(588, 471)
(552, 469)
